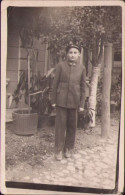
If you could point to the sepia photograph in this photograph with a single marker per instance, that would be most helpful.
(63, 97)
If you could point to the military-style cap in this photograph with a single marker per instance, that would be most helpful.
(73, 46)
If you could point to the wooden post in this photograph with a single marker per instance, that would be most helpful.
(28, 80)
(19, 59)
(105, 115)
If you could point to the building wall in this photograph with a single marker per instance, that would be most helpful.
(12, 61)
(17, 60)
(40, 64)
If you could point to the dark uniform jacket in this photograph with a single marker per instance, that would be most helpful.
(69, 85)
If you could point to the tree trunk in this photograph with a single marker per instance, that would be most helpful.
(97, 55)
(86, 59)
(82, 56)
(93, 91)
(105, 116)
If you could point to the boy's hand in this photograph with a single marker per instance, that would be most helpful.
(53, 105)
(81, 109)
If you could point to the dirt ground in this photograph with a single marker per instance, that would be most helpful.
(34, 150)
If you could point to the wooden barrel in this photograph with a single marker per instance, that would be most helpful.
(24, 122)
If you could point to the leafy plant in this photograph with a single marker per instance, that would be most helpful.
(39, 91)
(91, 26)
(116, 92)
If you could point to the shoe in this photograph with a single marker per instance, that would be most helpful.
(59, 156)
(68, 153)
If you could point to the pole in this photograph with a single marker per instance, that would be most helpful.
(28, 80)
(19, 59)
(46, 59)
(105, 113)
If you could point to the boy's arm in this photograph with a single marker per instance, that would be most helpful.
(55, 84)
(83, 88)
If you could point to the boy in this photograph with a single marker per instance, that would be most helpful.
(68, 96)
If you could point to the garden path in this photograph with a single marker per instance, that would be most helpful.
(93, 163)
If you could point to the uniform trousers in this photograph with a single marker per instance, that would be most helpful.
(65, 128)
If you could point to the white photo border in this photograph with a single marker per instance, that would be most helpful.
(18, 3)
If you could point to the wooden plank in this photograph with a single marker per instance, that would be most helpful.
(11, 87)
(12, 64)
(12, 75)
(12, 52)
(13, 39)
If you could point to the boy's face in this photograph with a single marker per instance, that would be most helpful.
(73, 54)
